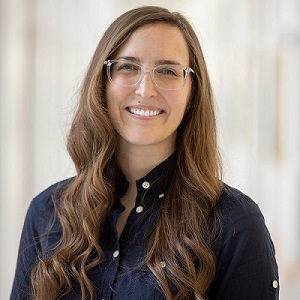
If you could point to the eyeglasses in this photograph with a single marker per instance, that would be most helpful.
(166, 76)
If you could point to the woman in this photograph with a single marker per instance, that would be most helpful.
(147, 215)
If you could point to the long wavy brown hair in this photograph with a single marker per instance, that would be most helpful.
(183, 235)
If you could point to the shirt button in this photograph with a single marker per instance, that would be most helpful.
(275, 284)
(161, 195)
(146, 185)
(116, 254)
(139, 209)
(163, 264)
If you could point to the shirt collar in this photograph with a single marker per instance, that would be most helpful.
(159, 179)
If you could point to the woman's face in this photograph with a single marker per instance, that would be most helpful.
(145, 114)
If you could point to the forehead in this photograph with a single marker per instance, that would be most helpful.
(156, 42)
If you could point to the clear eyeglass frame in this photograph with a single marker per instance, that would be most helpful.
(143, 71)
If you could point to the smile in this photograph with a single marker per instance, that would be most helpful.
(144, 112)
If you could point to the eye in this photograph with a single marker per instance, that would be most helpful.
(168, 71)
(127, 66)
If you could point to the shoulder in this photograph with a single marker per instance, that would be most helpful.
(240, 217)
(233, 204)
(41, 207)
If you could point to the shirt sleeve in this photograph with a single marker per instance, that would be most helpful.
(27, 256)
(246, 264)
(36, 239)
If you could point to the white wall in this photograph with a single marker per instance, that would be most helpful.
(252, 48)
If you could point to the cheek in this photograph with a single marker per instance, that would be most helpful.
(116, 96)
(113, 102)
(179, 111)
(182, 106)
(183, 102)
(188, 104)
(188, 96)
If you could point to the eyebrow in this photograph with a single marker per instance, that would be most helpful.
(159, 62)
(131, 58)
(168, 62)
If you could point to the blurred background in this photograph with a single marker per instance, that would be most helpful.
(252, 49)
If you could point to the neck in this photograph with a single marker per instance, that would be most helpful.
(136, 161)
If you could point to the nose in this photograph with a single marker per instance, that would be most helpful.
(146, 87)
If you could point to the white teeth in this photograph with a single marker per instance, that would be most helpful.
(144, 113)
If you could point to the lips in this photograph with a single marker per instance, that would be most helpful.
(144, 112)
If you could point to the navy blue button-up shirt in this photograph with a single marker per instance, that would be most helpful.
(246, 265)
